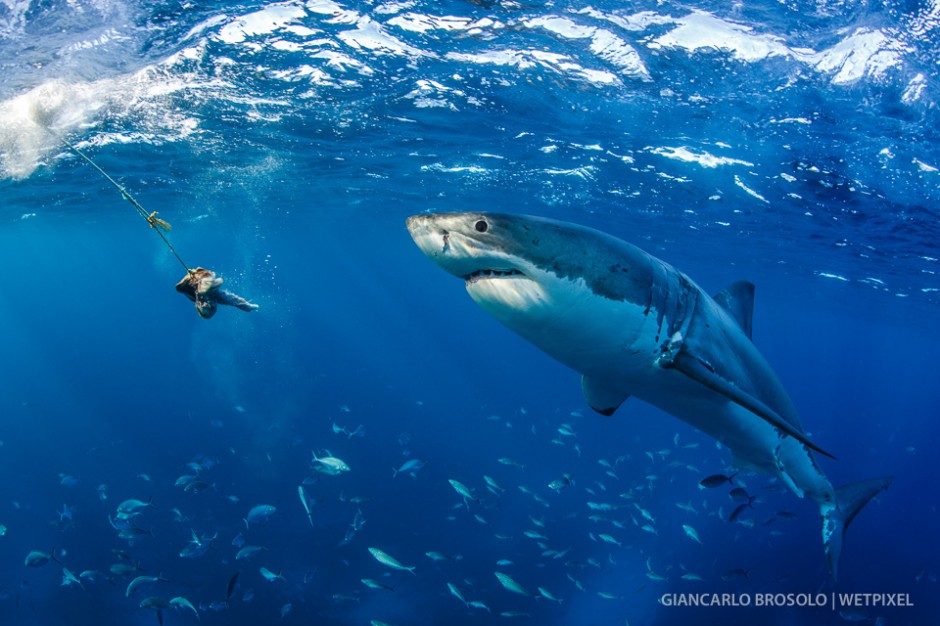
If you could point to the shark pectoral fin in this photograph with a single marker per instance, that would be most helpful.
(738, 300)
(601, 396)
(696, 370)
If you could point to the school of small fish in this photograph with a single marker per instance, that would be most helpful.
(508, 503)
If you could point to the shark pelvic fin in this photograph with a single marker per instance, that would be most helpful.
(836, 517)
(738, 300)
(698, 371)
(601, 396)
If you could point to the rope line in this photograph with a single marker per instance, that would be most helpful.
(157, 224)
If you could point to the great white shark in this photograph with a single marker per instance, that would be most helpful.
(633, 325)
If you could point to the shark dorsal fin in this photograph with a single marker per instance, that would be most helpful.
(738, 300)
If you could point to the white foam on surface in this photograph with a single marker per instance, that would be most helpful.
(203, 26)
(337, 14)
(702, 158)
(748, 190)
(67, 106)
(372, 36)
(529, 59)
(429, 94)
(343, 62)
(923, 167)
(313, 75)
(619, 53)
(586, 172)
(391, 8)
(625, 158)
(915, 89)
(264, 22)
(420, 23)
(286, 30)
(703, 31)
(866, 53)
(456, 169)
(102, 39)
(637, 22)
(603, 43)
(27, 119)
(832, 276)
(927, 21)
(15, 21)
(562, 26)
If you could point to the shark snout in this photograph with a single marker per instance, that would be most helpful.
(427, 234)
(417, 223)
(432, 238)
(445, 239)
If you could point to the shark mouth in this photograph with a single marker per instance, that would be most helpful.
(484, 274)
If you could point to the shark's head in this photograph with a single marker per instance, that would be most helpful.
(538, 276)
(493, 254)
(502, 254)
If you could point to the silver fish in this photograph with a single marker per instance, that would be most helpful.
(454, 591)
(389, 561)
(260, 513)
(374, 584)
(139, 582)
(35, 558)
(545, 593)
(246, 552)
(269, 575)
(181, 602)
(691, 533)
(330, 464)
(511, 585)
(305, 501)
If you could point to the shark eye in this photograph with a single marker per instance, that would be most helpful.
(481, 226)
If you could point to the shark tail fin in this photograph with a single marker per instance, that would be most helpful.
(837, 516)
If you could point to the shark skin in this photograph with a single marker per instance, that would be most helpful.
(633, 325)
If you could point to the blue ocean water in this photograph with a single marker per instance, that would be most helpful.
(792, 144)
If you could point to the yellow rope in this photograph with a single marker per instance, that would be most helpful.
(157, 224)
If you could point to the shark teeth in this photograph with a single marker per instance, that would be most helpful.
(481, 274)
